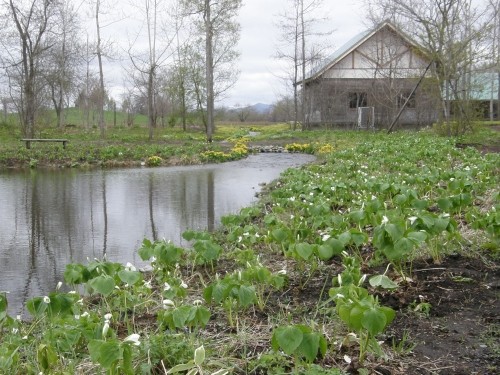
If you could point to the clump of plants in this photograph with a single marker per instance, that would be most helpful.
(154, 161)
(306, 148)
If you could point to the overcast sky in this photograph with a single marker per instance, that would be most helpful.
(258, 81)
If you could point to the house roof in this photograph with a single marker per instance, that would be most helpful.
(353, 44)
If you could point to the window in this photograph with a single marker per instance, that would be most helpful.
(402, 97)
(358, 99)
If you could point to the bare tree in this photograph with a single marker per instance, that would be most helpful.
(216, 20)
(147, 64)
(24, 48)
(62, 61)
(297, 27)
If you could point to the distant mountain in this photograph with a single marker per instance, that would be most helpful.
(259, 108)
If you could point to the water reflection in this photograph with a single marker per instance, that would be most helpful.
(52, 218)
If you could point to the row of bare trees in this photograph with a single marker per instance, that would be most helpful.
(179, 58)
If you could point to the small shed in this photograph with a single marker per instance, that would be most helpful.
(369, 79)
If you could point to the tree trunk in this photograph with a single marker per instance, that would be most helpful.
(100, 104)
(209, 72)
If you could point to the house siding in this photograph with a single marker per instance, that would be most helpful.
(384, 67)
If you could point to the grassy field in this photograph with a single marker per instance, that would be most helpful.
(380, 258)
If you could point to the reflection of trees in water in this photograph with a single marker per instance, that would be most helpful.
(151, 191)
(105, 216)
(210, 202)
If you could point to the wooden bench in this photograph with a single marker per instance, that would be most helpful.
(29, 140)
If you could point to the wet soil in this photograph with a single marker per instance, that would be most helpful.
(451, 314)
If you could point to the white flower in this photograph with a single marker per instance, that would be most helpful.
(59, 285)
(338, 295)
(167, 287)
(412, 219)
(325, 237)
(130, 267)
(291, 199)
(46, 300)
(347, 359)
(385, 220)
(339, 278)
(362, 280)
(77, 317)
(168, 303)
(147, 284)
(105, 329)
(108, 317)
(85, 314)
(197, 302)
(184, 285)
(15, 331)
(25, 337)
(133, 338)
(72, 292)
(18, 317)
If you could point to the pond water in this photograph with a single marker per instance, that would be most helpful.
(52, 218)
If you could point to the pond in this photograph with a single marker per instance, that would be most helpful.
(52, 218)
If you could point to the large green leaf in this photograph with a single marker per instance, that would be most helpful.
(309, 346)
(130, 277)
(106, 353)
(304, 250)
(246, 295)
(287, 338)
(374, 320)
(382, 281)
(102, 284)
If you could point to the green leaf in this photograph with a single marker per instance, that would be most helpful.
(76, 274)
(382, 281)
(374, 320)
(287, 338)
(440, 224)
(358, 237)
(325, 252)
(280, 235)
(181, 315)
(309, 346)
(356, 317)
(3, 304)
(246, 295)
(182, 367)
(444, 204)
(396, 231)
(130, 277)
(345, 238)
(199, 355)
(46, 356)
(202, 315)
(106, 353)
(304, 250)
(417, 237)
(146, 252)
(102, 284)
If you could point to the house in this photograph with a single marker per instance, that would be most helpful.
(369, 79)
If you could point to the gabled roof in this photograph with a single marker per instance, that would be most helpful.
(353, 44)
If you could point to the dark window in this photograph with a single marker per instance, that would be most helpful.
(403, 97)
(358, 99)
